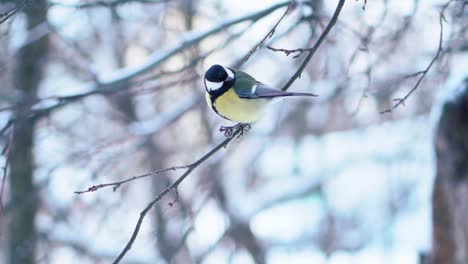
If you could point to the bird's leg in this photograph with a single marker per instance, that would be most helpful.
(229, 130)
(243, 128)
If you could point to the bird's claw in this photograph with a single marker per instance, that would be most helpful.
(227, 130)
(230, 130)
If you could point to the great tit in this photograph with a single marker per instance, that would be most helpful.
(237, 96)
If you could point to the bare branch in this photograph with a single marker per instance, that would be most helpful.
(155, 60)
(423, 73)
(7, 152)
(116, 185)
(8, 124)
(268, 35)
(288, 51)
(8, 14)
(173, 186)
(316, 46)
(83, 247)
(121, 77)
(363, 5)
(159, 57)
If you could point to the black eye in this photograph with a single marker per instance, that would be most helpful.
(216, 73)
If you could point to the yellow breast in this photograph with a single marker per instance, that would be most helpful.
(229, 105)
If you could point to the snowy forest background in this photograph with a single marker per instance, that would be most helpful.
(372, 171)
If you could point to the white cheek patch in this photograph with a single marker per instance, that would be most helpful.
(211, 86)
(229, 72)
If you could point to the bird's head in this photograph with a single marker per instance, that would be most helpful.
(218, 79)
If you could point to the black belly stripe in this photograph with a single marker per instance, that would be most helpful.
(213, 101)
(217, 93)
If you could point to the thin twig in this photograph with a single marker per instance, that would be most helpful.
(173, 186)
(6, 126)
(176, 192)
(116, 185)
(105, 90)
(316, 46)
(364, 92)
(123, 76)
(289, 51)
(423, 73)
(267, 36)
(5, 167)
(193, 166)
(4, 17)
(363, 5)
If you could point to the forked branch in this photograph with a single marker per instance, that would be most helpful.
(423, 73)
(191, 167)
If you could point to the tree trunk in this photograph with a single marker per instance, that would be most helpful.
(450, 195)
(27, 76)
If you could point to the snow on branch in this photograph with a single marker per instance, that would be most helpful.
(156, 59)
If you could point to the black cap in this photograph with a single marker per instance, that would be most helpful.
(216, 73)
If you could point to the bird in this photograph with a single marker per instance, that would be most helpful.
(235, 95)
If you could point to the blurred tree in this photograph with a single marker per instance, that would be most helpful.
(122, 95)
(30, 63)
(450, 196)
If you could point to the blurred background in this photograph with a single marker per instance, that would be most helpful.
(98, 91)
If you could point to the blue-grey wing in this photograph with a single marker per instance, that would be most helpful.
(260, 90)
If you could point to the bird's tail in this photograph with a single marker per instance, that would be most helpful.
(300, 94)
